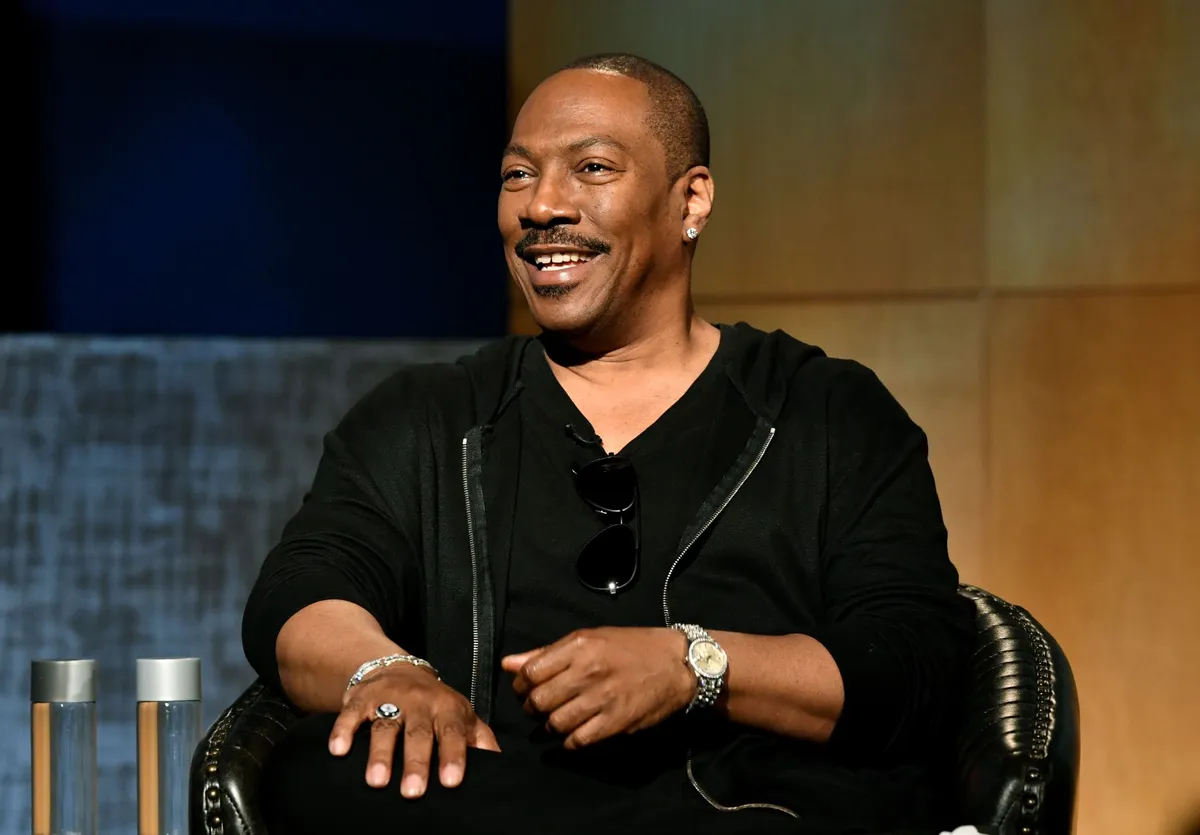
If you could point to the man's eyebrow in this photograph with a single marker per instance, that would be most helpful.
(598, 139)
(515, 150)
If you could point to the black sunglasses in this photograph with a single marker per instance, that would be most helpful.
(609, 560)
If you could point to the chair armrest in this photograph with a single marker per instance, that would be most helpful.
(227, 764)
(1018, 746)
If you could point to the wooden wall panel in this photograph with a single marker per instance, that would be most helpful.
(1094, 505)
(995, 206)
(1093, 142)
(929, 355)
(847, 134)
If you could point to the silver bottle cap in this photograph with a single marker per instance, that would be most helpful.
(62, 680)
(168, 679)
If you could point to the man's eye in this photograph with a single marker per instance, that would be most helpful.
(515, 175)
(596, 168)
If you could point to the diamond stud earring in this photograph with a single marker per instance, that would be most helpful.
(692, 233)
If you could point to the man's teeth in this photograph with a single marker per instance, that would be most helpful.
(561, 260)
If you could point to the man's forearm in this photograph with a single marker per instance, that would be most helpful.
(787, 684)
(321, 646)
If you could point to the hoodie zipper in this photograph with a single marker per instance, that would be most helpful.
(707, 522)
(474, 576)
(667, 617)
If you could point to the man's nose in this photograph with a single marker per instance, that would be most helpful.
(550, 204)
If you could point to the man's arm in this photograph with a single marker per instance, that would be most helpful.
(879, 673)
(332, 595)
(320, 647)
(787, 684)
(894, 622)
(596, 683)
(331, 591)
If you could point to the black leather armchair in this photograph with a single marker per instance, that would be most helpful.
(1017, 752)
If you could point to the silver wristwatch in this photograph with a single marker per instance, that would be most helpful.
(708, 661)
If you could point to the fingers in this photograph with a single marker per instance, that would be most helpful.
(481, 736)
(549, 662)
(521, 686)
(452, 750)
(595, 729)
(343, 730)
(540, 665)
(418, 750)
(514, 663)
(430, 712)
(568, 719)
(383, 750)
(548, 697)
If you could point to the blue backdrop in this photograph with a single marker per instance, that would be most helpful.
(272, 169)
(233, 168)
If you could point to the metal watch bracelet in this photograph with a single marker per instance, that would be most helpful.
(387, 661)
(707, 689)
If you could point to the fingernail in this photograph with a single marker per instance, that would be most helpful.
(452, 775)
(377, 776)
(337, 747)
(412, 786)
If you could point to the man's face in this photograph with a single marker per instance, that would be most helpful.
(587, 215)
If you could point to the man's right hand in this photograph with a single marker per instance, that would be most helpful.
(429, 710)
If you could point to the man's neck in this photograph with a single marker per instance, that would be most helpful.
(657, 352)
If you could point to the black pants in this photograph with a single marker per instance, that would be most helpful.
(307, 791)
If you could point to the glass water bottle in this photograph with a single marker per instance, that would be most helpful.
(168, 731)
(62, 696)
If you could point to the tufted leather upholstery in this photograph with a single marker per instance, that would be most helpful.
(227, 763)
(1017, 750)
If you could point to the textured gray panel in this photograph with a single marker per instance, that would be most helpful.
(141, 483)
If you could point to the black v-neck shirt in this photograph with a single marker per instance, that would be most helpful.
(677, 460)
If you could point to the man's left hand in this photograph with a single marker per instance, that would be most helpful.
(597, 683)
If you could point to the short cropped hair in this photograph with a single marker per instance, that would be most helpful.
(675, 114)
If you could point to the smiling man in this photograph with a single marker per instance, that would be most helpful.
(640, 571)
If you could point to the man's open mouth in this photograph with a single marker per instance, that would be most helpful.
(552, 260)
(561, 260)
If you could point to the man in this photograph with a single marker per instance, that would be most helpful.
(641, 571)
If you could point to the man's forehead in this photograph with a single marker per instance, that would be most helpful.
(582, 86)
(575, 104)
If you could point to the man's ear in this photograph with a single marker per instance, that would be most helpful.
(698, 201)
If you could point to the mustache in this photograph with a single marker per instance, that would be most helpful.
(558, 236)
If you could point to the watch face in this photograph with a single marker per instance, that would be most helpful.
(708, 659)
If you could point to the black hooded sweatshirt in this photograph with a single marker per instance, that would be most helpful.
(822, 517)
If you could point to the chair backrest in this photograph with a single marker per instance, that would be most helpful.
(1018, 747)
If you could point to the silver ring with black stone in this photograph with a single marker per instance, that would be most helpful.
(387, 711)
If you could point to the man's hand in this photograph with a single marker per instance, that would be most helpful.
(429, 709)
(596, 683)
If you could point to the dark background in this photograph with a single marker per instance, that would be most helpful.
(229, 168)
(227, 220)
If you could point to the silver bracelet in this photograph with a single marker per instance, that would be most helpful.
(387, 661)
